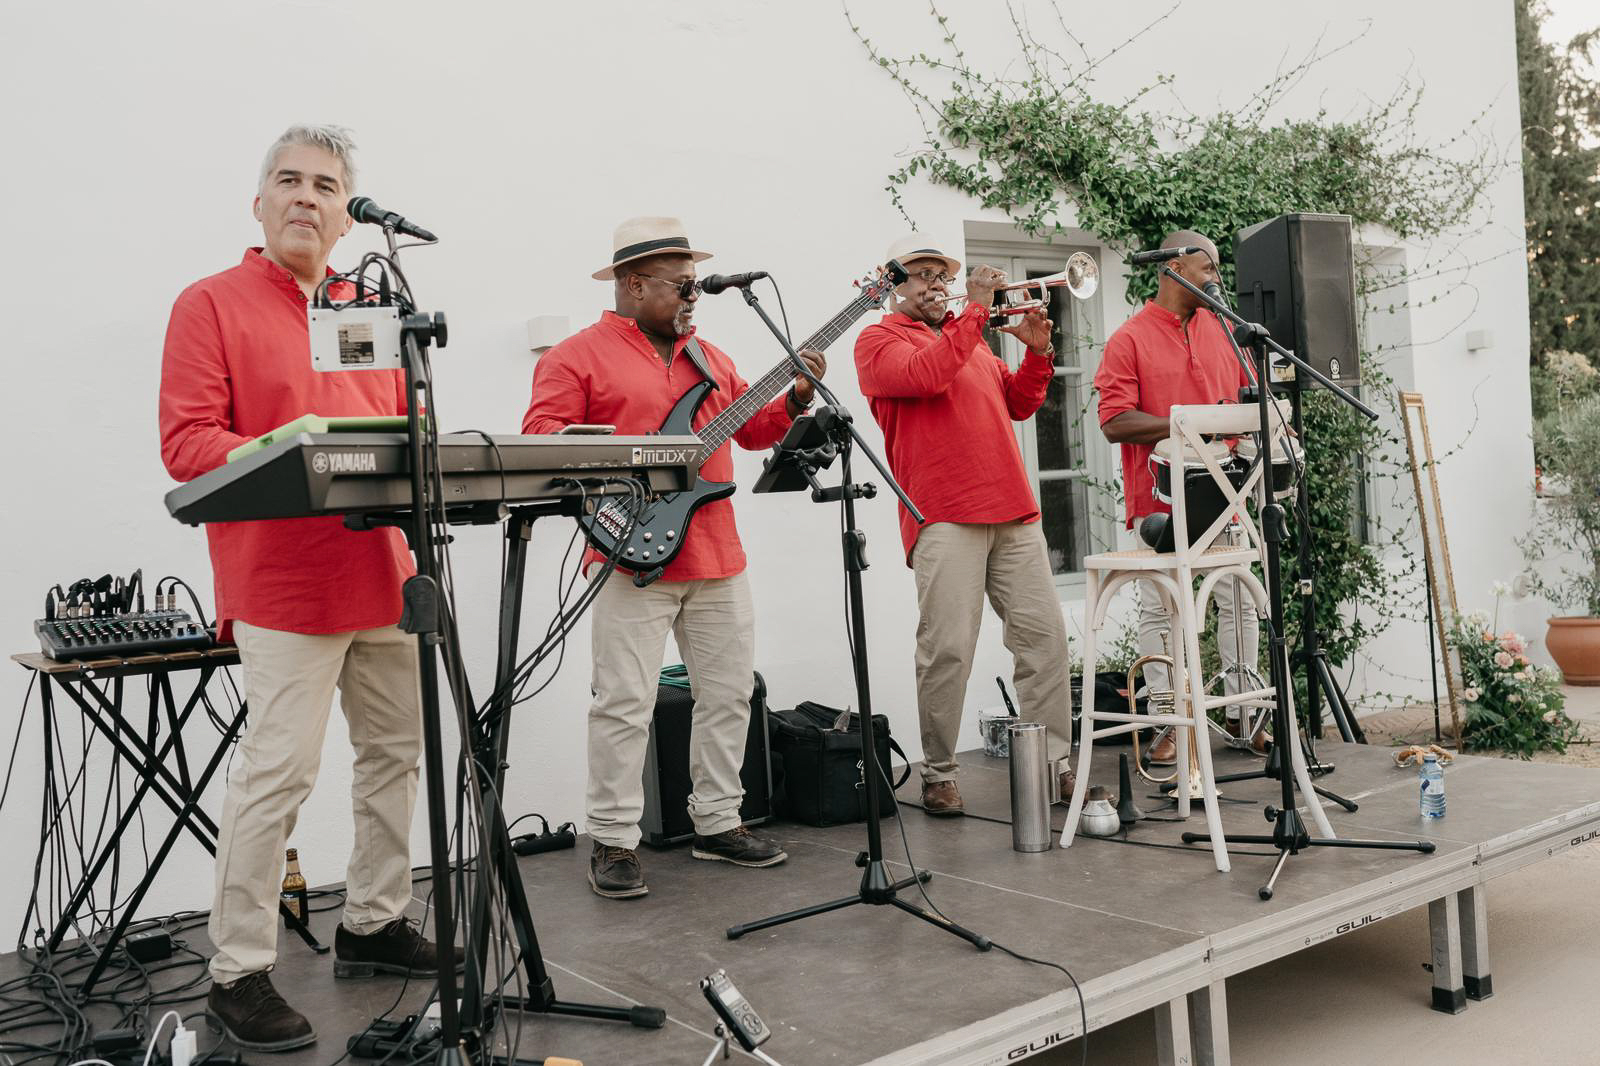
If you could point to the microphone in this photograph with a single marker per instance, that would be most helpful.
(1213, 290)
(1160, 255)
(715, 283)
(362, 209)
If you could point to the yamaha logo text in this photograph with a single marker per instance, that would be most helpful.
(344, 462)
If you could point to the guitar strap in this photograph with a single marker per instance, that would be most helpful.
(697, 356)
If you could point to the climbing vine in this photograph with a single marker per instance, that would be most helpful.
(1040, 144)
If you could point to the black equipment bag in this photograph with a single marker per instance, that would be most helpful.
(667, 783)
(817, 769)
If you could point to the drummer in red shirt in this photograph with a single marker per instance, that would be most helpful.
(946, 403)
(311, 604)
(1165, 355)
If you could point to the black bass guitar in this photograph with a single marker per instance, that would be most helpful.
(645, 541)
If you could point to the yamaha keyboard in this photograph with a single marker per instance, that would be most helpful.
(359, 473)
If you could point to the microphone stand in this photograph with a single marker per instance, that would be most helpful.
(1289, 835)
(877, 887)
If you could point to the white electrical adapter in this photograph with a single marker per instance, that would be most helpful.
(183, 1047)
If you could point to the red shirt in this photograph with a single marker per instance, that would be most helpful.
(946, 404)
(610, 375)
(1152, 363)
(237, 362)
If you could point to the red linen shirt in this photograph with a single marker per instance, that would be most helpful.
(946, 403)
(1152, 363)
(609, 374)
(237, 362)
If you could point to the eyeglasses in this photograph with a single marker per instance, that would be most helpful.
(929, 276)
(686, 289)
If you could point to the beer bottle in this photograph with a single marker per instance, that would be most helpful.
(293, 895)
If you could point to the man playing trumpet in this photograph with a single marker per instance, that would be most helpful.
(946, 403)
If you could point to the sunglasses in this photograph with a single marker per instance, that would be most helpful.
(686, 289)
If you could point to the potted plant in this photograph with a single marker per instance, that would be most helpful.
(1563, 547)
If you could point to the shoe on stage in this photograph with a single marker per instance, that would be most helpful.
(942, 797)
(396, 948)
(615, 872)
(738, 846)
(255, 1016)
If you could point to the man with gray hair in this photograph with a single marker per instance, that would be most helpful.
(312, 605)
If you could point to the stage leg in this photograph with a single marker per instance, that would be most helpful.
(1172, 1033)
(1208, 1017)
(1474, 908)
(1444, 928)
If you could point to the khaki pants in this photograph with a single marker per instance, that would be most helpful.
(712, 621)
(1233, 626)
(289, 682)
(955, 565)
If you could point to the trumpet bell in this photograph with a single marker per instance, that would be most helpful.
(1082, 275)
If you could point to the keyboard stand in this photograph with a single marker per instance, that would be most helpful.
(160, 761)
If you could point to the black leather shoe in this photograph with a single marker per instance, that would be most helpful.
(396, 948)
(256, 1017)
(738, 846)
(615, 872)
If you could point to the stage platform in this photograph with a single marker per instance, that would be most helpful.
(1140, 927)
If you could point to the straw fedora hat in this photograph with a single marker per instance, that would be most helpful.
(638, 238)
(916, 246)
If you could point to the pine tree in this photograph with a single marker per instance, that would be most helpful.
(1561, 186)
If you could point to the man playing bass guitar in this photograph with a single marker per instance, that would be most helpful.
(629, 370)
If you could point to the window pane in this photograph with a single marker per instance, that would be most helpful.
(1060, 428)
(1066, 523)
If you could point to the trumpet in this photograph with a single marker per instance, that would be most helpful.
(1080, 277)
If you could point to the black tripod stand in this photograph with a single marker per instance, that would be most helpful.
(1289, 835)
(835, 433)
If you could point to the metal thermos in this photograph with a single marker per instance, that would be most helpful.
(1030, 787)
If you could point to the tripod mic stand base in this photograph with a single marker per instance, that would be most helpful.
(876, 890)
(1289, 836)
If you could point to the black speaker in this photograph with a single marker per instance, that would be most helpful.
(1296, 276)
(666, 767)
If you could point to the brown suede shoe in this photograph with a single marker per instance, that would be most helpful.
(254, 1016)
(1258, 743)
(1165, 751)
(942, 797)
(396, 948)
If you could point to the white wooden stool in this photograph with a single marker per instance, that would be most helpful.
(1211, 557)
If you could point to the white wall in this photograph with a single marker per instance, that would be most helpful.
(522, 133)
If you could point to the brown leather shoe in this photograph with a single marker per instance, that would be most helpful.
(1069, 781)
(1258, 743)
(615, 872)
(942, 797)
(1165, 751)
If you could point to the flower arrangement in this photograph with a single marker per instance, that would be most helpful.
(1512, 705)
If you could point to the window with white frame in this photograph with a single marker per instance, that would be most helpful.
(1066, 455)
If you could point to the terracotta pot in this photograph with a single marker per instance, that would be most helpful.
(1574, 643)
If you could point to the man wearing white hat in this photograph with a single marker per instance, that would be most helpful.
(946, 403)
(628, 370)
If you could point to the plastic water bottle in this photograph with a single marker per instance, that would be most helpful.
(1431, 776)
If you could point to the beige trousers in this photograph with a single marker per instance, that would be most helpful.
(1234, 627)
(713, 623)
(289, 682)
(956, 564)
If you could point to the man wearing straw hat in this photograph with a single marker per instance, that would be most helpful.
(946, 403)
(627, 370)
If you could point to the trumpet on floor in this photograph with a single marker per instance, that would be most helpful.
(1080, 277)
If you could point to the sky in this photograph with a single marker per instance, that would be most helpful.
(1568, 18)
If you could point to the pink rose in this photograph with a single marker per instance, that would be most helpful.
(1503, 660)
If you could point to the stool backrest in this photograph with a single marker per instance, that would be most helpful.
(1188, 423)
